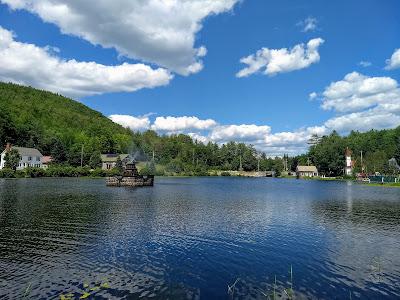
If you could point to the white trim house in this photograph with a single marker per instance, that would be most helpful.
(306, 171)
(30, 157)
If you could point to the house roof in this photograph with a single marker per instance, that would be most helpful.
(112, 157)
(307, 169)
(26, 151)
(47, 159)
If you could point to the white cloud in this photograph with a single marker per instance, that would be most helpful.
(357, 92)
(393, 62)
(364, 121)
(180, 124)
(134, 123)
(274, 61)
(309, 24)
(28, 64)
(312, 96)
(365, 64)
(244, 132)
(198, 137)
(158, 31)
(362, 103)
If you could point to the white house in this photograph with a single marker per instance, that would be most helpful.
(306, 171)
(30, 157)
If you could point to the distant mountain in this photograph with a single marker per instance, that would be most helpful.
(34, 118)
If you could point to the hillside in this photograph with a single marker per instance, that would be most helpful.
(41, 119)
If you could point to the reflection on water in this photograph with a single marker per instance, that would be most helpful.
(192, 237)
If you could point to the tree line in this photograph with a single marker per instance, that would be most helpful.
(72, 134)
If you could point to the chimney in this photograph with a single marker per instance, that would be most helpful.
(8, 147)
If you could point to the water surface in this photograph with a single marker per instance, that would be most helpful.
(189, 238)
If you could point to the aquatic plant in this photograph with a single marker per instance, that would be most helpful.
(231, 288)
(86, 292)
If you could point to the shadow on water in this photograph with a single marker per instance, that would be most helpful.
(190, 238)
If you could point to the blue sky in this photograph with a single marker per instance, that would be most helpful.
(272, 111)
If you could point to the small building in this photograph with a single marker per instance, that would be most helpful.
(109, 161)
(306, 171)
(30, 157)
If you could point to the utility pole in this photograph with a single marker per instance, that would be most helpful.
(362, 166)
(82, 156)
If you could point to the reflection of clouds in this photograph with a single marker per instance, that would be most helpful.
(366, 230)
(187, 238)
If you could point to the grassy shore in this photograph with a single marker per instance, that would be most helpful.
(393, 185)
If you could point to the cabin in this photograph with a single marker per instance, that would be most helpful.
(30, 157)
(109, 161)
(306, 171)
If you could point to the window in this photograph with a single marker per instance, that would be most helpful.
(29, 158)
(37, 158)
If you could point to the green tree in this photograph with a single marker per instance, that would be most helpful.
(95, 160)
(119, 166)
(397, 152)
(12, 159)
(58, 151)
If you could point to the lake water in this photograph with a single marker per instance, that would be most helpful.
(189, 238)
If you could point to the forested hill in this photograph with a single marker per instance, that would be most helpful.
(59, 127)
(41, 119)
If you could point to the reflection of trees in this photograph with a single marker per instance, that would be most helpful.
(48, 230)
(364, 241)
(377, 214)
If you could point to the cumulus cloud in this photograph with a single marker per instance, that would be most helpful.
(312, 96)
(244, 132)
(179, 124)
(362, 103)
(365, 120)
(134, 123)
(357, 92)
(393, 62)
(309, 24)
(28, 64)
(158, 31)
(274, 61)
(198, 137)
(365, 64)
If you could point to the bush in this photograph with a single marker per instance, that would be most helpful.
(34, 172)
(7, 173)
(83, 171)
(225, 174)
(100, 173)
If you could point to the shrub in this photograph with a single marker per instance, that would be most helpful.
(225, 173)
(7, 173)
(34, 172)
(99, 173)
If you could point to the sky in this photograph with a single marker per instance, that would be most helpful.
(268, 73)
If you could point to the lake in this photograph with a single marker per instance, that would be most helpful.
(189, 238)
